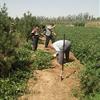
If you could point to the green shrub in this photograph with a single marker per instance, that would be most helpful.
(15, 84)
(8, 43)
(90, 79)
(81, 23)
(42, 60)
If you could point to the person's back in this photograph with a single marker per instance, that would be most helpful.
(48, 32)
(48, 35)
(58, 46)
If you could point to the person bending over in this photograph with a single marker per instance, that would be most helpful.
(58, 46)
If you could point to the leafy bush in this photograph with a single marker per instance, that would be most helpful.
(81, 23)
(16, 55)
(25, 24)
(28, 45)
(15, 84)
(90, 79)
(42, 60)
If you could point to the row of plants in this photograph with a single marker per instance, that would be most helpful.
(85, 46)
(14, 84)
(13, 36)
(17, 60)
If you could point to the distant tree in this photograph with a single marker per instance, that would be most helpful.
(24, 25)
(98, 18)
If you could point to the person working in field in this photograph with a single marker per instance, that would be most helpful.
(60, 49)
(35, 37)
(49, 34)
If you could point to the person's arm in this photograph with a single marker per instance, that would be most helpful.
(54, 33)
(55, 53)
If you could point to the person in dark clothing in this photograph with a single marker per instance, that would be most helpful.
(35, 37)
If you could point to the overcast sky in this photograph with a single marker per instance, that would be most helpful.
(52, 8)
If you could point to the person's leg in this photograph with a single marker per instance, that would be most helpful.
(33, 44)
(67, 52)
(52, 38)
(60, 57)
(47, 41)
(36, 42)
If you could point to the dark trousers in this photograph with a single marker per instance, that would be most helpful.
(60, 56)
(48, 38)
(35, 40)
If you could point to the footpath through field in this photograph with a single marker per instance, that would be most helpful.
(48, 85)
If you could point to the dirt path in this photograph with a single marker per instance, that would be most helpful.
(48, 85)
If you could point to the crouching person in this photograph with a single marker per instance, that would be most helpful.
(58, 46)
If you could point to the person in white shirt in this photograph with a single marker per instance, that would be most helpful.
(58, 46)
(49, 35)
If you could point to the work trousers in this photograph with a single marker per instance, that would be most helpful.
(35, 40)
(48, 38)
(61, 54)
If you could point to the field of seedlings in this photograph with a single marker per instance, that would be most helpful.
(86, 47)
(18, 61)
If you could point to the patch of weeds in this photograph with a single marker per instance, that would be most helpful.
(42, 60)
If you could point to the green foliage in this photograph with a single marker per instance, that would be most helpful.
(13, 62)
(15, 84)
(90, 79)
(11, 39)
(8, 43)
(92, 97)
(28, 45)
(42, 60)
(85, 45)
(23, 54)
(25, 24)
(16, 56)
(81, 23)
(4, 19)
(95, 97)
